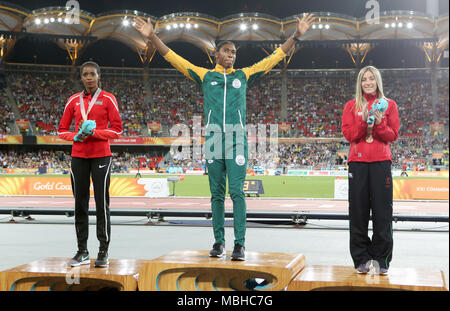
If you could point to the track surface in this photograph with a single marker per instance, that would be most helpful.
(253, 204)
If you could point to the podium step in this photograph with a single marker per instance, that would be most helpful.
(195, 270)
(346, 278)
(53, 274)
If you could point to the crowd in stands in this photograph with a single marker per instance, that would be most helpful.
(314, 105)
(314, 109)
(311, 154)
(41, 98)
(308, 155)
(130, 95)
(57, 160)
(6, 115)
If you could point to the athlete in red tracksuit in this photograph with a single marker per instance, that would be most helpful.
(369, 173)
(91, 155)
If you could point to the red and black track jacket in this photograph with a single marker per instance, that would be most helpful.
(354, 130)
(105, 112)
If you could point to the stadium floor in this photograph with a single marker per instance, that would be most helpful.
(323, 242)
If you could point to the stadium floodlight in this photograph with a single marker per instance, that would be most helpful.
(46, 21)
(188, 26)
(409, 25)
(125, 22)
(37, 21)
(255, 27)
(243, 27)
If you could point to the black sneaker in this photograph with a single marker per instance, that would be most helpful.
(102, 260)
(80, 258)
(380, 270)
(383, 271)
(238, 252)
(364, 268)
(218, 250)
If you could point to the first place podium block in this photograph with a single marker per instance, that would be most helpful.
(53, 274)
(195, 270)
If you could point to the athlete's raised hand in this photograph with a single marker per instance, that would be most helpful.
(144, 27)
(303, 24)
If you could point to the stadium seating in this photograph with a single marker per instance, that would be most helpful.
(314, 109)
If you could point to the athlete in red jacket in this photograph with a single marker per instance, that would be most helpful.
(91, 155)
(369, 173)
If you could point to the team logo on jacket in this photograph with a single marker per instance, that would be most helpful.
(240, 160)
(236, 83)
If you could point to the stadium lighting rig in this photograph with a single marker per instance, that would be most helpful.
(409, 25)
(186, 25)
(244, 26)
(46, 20)
(321, 26)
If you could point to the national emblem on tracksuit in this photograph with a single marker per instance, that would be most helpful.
(240, 160)
(236, 83)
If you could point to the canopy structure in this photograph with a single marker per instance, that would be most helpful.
(11, 19)
(357, 36)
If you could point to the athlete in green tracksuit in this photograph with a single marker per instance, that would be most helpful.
(224, 89)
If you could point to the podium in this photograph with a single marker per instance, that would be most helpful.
(53, 274)
(195, 270)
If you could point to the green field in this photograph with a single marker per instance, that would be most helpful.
(274, 186)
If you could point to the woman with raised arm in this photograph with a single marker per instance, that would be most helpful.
(224, 89)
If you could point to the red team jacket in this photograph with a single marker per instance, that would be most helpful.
(105, 112)
(354, 130)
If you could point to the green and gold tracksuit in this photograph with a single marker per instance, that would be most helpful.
(226, 145)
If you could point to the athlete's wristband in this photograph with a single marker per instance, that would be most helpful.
(295, 38)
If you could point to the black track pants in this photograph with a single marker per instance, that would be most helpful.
(370, 189)
(81, 171)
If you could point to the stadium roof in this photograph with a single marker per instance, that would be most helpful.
(203, 31)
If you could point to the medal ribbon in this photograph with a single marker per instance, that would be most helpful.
(91, 104)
